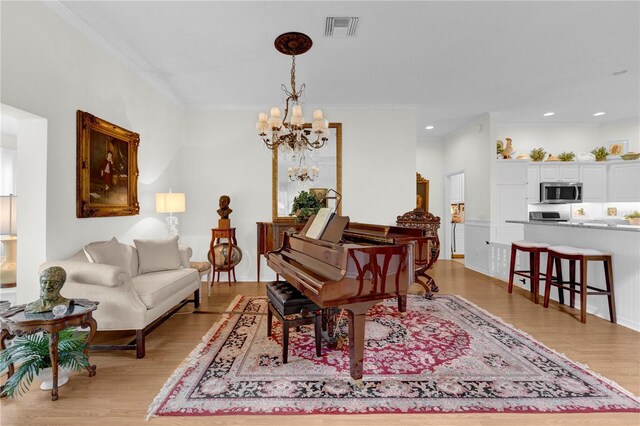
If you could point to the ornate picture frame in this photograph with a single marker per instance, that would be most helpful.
(106, 168)
(422, 193)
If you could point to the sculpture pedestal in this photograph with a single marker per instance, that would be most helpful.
(224, 223)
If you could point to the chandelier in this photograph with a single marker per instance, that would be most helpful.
(293, 135)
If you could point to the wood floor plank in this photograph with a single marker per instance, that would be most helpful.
(124, 386)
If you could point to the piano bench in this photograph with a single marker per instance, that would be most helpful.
(286, 300)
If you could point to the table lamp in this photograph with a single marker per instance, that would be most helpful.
(8, 236)
(171, 202)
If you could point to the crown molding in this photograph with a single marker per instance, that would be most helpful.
(99, 40)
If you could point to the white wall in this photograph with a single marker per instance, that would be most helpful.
(52, 70)
(430, 164)
(223, 155)
(621, 130)
(558, 138)
(468, 149)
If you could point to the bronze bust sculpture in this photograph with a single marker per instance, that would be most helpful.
(224, 211)
(51, 281)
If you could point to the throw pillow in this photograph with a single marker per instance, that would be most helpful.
(158, 255)
(111, 252)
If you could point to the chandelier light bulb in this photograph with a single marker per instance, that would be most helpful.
(275, 112)
(318, 115)
(297, 111)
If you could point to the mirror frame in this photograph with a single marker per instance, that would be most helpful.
(274, 175)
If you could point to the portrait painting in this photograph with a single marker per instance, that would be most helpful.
(422, 193)
(107, 169)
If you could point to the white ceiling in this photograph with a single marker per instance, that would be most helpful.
(450, 60)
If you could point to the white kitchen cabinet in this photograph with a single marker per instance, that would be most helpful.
(457, 189)
(559, 172)
(512, 205)
(594, 183)
(533, 183)
(624, 182)
(512, 172)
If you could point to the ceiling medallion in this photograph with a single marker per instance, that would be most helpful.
(276, 132)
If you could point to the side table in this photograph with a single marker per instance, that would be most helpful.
(16, 322)
(216, 235)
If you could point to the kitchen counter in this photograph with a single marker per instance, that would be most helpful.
(587, 225)
(625, 247)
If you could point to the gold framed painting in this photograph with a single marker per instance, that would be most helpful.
(422, 193)
(106, 168)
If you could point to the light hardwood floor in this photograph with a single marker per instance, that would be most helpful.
(124, 386)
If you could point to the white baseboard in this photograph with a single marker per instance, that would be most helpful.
(473, 268)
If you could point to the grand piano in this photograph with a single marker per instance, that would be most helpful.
(352, 270)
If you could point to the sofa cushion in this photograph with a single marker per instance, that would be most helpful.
(156, 287)
(107, 251)
(158, 255)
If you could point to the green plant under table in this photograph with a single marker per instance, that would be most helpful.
(65, 347)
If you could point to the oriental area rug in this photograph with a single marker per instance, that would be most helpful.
(444, 355)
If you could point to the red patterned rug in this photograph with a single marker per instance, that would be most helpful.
(444, 356)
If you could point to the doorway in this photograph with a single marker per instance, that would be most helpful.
(26, 135)
(454, 217)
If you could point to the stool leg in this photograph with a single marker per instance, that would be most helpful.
(285, 341)
(608, 276)
(559, 274)
(269, 319)
(512, 268)
(318, 330)
(583, 291)
(572, 278)
(535, 276)
(548, 281)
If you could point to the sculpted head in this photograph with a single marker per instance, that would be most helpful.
(224, 201)
(51, 281)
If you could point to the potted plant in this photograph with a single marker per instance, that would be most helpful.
(600, 153)
(566, 156)
(633, 218)
(537, 154)
(30, 356)
(304, 206)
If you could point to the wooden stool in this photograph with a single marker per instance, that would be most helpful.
(556, 254)
(204, 269)
(285, 300)
(533, 273)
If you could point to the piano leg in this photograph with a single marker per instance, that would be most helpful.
(357, 315)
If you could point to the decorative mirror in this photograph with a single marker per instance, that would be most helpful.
(324, 170)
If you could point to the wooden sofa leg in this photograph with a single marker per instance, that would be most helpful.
(139, 343)
(196, 298)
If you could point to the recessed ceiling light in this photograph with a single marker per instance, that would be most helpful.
(548, 114)
(619, 72)
(429, 128)
(598, 114)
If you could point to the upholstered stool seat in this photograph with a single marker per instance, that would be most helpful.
(533, 273)
(204, 269)
(579, 251)
(555, 255)
(530, 244)
(284, 301)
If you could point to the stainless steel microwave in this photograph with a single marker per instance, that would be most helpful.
(560, 192)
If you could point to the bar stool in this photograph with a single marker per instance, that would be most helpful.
(555, 254)
(533, 273)
(285, 300)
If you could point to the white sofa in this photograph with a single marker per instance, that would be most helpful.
(131, 298)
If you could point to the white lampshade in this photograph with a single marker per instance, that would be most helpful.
(8, 215)
(170, 202)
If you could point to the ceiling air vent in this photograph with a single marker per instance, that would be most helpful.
(341, 27)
